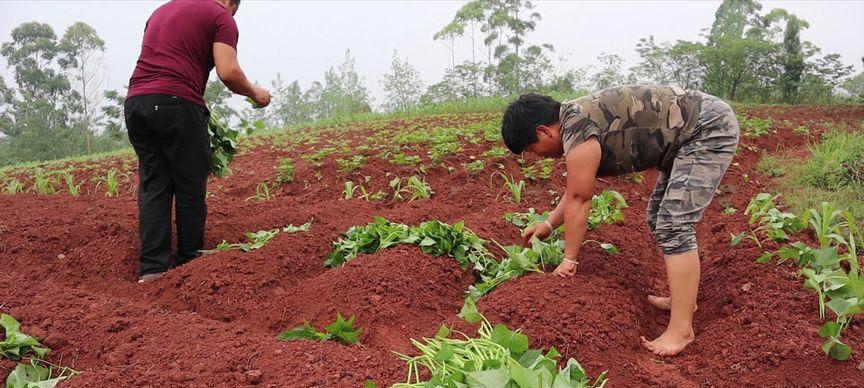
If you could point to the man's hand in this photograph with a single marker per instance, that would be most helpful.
(541, 231)
(261, 96)
(565, 269)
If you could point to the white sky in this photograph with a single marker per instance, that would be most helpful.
(301, 39)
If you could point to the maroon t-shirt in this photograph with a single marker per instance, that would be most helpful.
(177, 52)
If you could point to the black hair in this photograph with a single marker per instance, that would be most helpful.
(235, 3)
(518, 127)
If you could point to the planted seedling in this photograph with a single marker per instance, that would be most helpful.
(839, 290)
(73, 189)
(606, 208)
(417, 188)
(256, 241)
(351, 165)
(402, 159)
(349, 190)
(341, 330)
(111, 181)
(285, 171)
(396, 185)
(755, 127)
(475, 166)
(540, 170)
(317, 159)
(43, 184)
(767, 222)
(262, 193)
(13, 186)
(515, 188)
(496, 152)
(290, 228)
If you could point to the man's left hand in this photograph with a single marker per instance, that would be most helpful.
(565, 269)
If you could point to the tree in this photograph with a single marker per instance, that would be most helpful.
(290, 106)
(668, 64)
(610, 71)
(115, 123)
(343, 91)
(217, 95)
(511, 68)
(37, 119)
(402, 85)
(567, 81)
(822, 78)
(855, 86)
(732, 18)
(792, 56)
(82, 50)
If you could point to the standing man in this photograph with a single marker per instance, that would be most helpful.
(167, 122)
(689, 136)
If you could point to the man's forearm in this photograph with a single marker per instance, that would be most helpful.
(237, 82)
(575, 224)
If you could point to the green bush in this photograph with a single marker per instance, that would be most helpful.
(837, 161)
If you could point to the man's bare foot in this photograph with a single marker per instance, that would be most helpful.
(669, 343)
(663, 302)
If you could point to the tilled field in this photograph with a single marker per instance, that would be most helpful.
(68, 271)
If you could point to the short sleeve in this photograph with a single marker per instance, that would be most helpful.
(226, 30)
(575, 128)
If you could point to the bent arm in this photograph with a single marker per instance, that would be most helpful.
(582, 164)
(228, 70)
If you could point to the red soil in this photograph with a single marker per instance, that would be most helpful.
(68, 270)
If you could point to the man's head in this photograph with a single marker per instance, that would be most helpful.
(530, 124)
(230, 5)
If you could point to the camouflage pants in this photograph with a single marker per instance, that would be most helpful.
(683, 192)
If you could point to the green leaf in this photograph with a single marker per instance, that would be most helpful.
(444, 354)
(609, 248)
(573, 376)
(826, 257)
(469, 311)
(300, 333)
(514, 341)
(840, 351)
(31, 376)
(495, 378)
(524, 377)
(253, 103)
(294, 229)
(16, 344)
(839, 306)
(829, 329)
(737, 238)
(765, 258)
(369, 384)
(443, 332)
(343, 331)
(427, 242)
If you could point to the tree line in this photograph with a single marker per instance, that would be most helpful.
(55, 106)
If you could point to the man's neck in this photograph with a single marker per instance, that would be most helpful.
(223, 3)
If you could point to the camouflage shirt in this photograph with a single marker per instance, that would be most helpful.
(639, 127)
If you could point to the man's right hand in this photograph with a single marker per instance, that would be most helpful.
(261, 96)
(541, 231)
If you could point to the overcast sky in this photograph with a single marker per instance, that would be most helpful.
(301, 39)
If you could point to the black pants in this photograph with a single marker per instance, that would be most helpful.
(169, 135)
